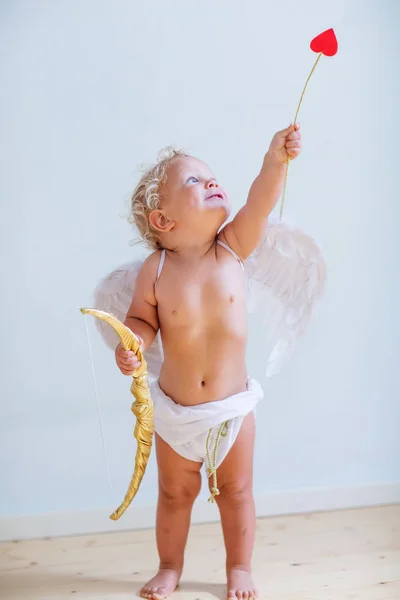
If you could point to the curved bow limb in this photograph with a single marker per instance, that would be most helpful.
(142, 407)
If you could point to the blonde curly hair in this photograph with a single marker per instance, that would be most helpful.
(146, 196)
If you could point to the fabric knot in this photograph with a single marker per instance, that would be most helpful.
(214, 492)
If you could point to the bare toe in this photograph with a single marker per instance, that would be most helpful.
(146, 592)
(162, 585)
(240, 585)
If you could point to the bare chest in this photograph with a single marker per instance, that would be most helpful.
(213, 293)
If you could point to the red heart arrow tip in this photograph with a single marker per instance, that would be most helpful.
(325, 42)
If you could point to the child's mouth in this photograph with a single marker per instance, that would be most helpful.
(218, 195)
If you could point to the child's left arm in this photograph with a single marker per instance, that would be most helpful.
(245, 231)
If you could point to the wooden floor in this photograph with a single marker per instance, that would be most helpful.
(345, 555)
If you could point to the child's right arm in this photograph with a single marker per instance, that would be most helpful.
(142, 317)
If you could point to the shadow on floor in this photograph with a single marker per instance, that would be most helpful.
(39, 585)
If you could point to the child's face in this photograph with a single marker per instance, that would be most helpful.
(191, 191)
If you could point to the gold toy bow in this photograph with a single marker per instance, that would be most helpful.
(142, 407)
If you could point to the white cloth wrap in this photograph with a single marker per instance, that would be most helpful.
(185, 428)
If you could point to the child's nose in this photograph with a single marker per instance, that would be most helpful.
(212, 183)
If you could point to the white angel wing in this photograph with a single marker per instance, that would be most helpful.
(285, 276)
(114, 295)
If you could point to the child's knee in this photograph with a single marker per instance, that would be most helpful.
(236, 492)
(180, 493)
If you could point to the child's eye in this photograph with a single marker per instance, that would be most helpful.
(192, 180)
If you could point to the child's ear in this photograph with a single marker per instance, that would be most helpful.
(159, 221)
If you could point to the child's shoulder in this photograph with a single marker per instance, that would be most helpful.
(152, 259)
(149, 268)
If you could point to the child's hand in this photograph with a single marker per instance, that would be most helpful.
(127, 360)
(286, 144)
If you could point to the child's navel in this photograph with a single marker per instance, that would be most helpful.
(231, 299)
(174, 313)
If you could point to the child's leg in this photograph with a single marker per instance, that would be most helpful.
(179, 482)
(236, 505)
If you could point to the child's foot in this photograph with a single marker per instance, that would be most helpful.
(240, 585)
(162, 585)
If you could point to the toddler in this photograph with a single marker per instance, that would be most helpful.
(192, 289)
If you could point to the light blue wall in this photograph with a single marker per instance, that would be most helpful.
(91, 89)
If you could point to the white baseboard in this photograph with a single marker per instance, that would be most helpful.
(143, 517)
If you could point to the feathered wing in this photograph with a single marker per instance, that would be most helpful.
(113, 295)
(285, 276)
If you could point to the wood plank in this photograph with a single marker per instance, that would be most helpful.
(341, 555)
